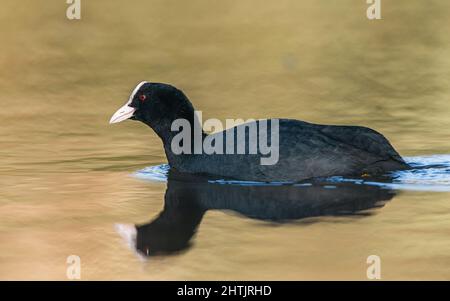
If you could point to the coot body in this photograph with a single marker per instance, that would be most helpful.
(305, 150)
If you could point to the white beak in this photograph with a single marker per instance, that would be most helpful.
(123, 113)
(128, 234)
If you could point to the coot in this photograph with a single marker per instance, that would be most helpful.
(305, 150)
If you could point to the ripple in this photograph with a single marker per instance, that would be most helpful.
(429, 173)
(156, 173)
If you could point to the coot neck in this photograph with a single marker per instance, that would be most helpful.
(196, 134)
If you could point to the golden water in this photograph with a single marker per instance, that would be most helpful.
(65, 173)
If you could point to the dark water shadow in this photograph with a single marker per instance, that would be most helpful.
(188, 198)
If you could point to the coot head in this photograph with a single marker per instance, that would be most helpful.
(157, 105)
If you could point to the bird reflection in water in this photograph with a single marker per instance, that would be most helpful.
(188, 198)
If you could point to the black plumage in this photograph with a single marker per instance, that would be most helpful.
(306, 150)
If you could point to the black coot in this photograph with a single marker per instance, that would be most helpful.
(306, 150)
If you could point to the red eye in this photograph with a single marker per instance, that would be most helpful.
(142, 97)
